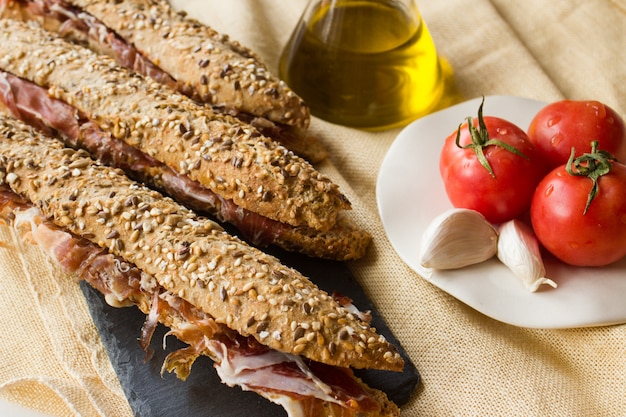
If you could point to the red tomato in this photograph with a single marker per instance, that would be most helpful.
(596, 237)
(499, 196)
(561, 125)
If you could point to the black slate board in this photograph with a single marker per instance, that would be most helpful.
(202, 394)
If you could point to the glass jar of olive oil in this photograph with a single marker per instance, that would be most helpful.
(369, 64)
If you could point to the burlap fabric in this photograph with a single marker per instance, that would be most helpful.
(471, 365)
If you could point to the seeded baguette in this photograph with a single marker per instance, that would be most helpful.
(192, 257)
(229, 157)
(219, 70)
(123, 285)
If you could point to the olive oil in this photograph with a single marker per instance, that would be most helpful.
(364, 63)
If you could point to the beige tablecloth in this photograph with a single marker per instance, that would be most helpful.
(471, 365)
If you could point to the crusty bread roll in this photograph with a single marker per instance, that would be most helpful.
(189, 256)
(151, 38)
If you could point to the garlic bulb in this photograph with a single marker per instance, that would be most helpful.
(518, 249)
(457, 238)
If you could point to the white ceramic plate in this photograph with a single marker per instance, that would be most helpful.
(411, 194)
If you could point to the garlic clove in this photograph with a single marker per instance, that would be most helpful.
(456, 238)
(518, 249)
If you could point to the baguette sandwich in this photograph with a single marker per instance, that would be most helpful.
(211, 162)
(149, 37)
(267, 328)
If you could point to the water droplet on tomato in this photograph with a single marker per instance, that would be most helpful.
(548, 190)
(556, 140)
(599, 108)
(554, 120)
(503, 130)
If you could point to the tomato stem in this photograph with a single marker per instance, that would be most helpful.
(480, 140)
(592, 165)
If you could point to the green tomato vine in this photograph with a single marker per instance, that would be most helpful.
(592, 165)
(481, 140)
